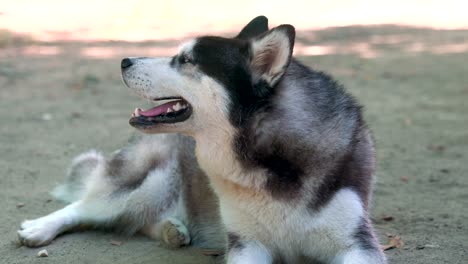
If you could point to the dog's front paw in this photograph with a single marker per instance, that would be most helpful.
(175, 234)
(36, 233)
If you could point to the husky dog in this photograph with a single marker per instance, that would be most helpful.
(289, 161)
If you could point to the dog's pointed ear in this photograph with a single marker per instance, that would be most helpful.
(271, 53)
(254, 28)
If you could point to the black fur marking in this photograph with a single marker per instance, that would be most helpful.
(255, 27)
(283, 175)
(226, 60)
(234, 242)
(262, 89)
(283, 171)
(353, 170)
(365, 237)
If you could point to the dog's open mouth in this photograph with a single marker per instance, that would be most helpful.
(174, 111)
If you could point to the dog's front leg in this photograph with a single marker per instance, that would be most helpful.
(241, 251)
(360, 256)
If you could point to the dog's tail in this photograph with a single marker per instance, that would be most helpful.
(82, 167)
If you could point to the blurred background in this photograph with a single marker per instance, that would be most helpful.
(93, 23)
(147, 20)
(406, 61)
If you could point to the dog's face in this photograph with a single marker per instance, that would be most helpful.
(212, 80)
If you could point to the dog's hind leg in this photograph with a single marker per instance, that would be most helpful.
(171, 231)
(82, 210)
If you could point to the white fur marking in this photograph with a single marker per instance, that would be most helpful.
(42, 230)
(251, 253)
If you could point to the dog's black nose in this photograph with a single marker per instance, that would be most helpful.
(126, 63)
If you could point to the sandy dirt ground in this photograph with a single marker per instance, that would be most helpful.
(412, 82)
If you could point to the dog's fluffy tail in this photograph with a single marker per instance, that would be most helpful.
(81, 169)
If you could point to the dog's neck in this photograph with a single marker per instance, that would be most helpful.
(216, 156)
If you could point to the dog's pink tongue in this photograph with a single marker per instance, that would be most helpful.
(155, 111)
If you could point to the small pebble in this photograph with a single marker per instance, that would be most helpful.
(431, 246)
(43, 253)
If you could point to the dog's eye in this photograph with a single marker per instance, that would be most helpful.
(183, 59)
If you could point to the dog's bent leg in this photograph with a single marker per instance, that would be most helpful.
(248, 252)
(172, 232)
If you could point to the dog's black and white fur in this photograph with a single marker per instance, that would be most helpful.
(288, 159)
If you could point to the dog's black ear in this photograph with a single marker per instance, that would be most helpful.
(271, 53)
(254, 28)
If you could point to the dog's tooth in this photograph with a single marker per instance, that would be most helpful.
(169, 110)
(176, 107)
(183, 106)
(136, 112)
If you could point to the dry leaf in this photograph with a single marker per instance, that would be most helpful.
(116, 242)
(388, 218)
(404, 178)
(394, 242)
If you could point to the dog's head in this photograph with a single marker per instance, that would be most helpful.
(212, 80)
